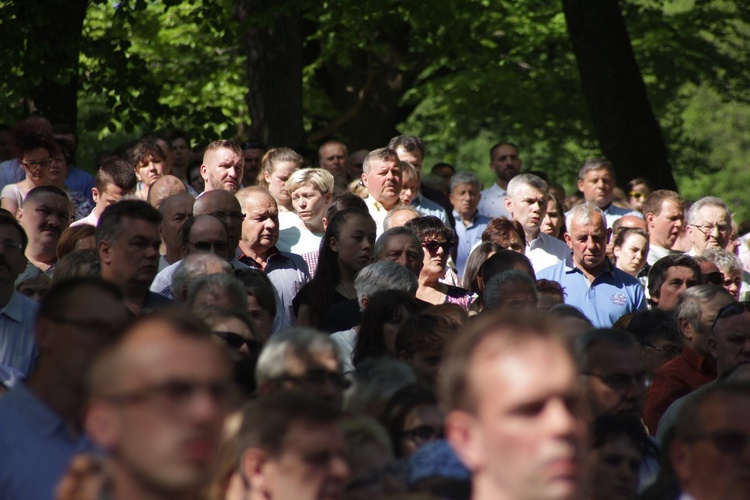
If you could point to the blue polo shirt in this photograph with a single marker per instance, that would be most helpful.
(35, 446)
(611, 295)
(468, 236)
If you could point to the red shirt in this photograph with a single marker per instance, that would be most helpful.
(674, 379)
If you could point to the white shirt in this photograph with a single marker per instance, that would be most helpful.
(377, 212)
(91, 218)
(345, 340)
(492, 203)
(546, 251)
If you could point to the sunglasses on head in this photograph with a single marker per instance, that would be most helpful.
(729, 310)
(432, 246)
(236, 341)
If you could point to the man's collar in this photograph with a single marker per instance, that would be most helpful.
(14, 308)
(570, 266)
(256, 262)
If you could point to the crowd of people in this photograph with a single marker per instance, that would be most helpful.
(238, 322)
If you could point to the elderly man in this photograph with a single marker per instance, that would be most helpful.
(223, 166)
(399, 216)
(301, 359)
(163, 188)
(381, 175)
(505, 163)
(224, 206)
(277, 434)
(515, 415)
(596, 180)
(663, 211)
(174, 211)
(260, 232)
(333, 156)
(709, 451)
(709, 224)
(44, 215)
(158, 401)
(401, 245)
(695, 366)
(128, 241)
(17, 312)
(41, 427)
(465, 196)
(669, 277)
(527, 203)
(603, 292)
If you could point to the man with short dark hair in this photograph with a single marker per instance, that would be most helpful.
(223, 166)
(596, 180)
(669, 277)
(465, 195)
(663, 211)
(114, 180)
(41, 427)
(505, 163)
(253, 152)
(44, 215)
(128, 241)
(515, 416)
(603, 292)
(158, 401)
(333, 156)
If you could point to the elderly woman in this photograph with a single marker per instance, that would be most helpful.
(437, 239)
(311, 190)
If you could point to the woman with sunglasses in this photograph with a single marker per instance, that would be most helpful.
(36, 148)
(637, 191)
(437, 240)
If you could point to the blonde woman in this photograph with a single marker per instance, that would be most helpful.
(311, 190)
(278, 166)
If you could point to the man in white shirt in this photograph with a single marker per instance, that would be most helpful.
(114, 179)
(506, 164)
(381, 175)
(527, 203)
(596, 180)
(663, 211)
(709, 224)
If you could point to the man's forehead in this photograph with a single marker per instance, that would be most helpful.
(504, 149)
(139, 227)
(611, 357)
(321, 359)
(401, 241)
(261, 203)
(385, 165)
(595, 224)
(223, 156)
(333, 149)
(596, 173)
(681, 271)
(48, 200)
(207, 224)
(178, 203)
(710, 213)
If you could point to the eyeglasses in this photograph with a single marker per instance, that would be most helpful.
(224, 216)
(174, 395)
(423, 433)
(621, 381)
(35, 164)
(316, 378)
(716, 278)
(11, 245)
(432, 246)
(236, 341)
(208, 246)
(707, 229)
(726, 441)
(669, 351)
(637, 195)
(729, 310)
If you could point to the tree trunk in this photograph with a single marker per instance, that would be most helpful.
(273, 42)
(623, 120)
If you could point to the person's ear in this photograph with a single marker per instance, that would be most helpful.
(679, 456)
(568, 239)
(365, 300)
(403, 356)
(465, 437)
(252, 469)
(102, 425)
(364, 178)
(334, 245)
(508, 205)
(105, 252)
(713, 346)
(649, 217)
(95, 195)
(19, 214)
(329, 197)
(579, 184)
(204, 172)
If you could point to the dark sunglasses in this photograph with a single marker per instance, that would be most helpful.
(729, 310)
(727, 442)
(423, 433)
(432, 246)
(236, 341)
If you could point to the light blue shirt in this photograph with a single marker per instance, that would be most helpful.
(468, 236)
(429, 207)
(11, 172)
(35, 445)
(611, 295)
(17, 345)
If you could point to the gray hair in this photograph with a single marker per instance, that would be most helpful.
(399, 208)
(595, 164)
(464, 177)
(723, 259)
(609, 336)
(532, 180)
(216, 285)
(689, 302)
(393, 232)
(499, 285)
(375, 381)
(583, 212)
(382, 154)
(300, 343)
(192, 267)
(382, 276)
(708, 201)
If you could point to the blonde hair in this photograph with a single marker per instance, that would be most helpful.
(272, 157)
(320, 178)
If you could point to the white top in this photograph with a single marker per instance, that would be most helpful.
(377, 212)
(492, 203)
(298, 239)
(91, 218)
(546, 251)
(345, 340)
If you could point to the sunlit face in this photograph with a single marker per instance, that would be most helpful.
(151, 169)
(677, 280)
(333, 158)
(409, 190)
(434, 263)
(465, 199)
(355, 244)
(638, 196)
(44, 218)
(36, 164)
(526, 437)
(260, 229)
(631, 256)
(711, 228)
(276, 180)
(588, 240)
(664, 228)
(528, 207)
(598, 187)
(413, 158)
(505, 162)
(405, 250)
(383, 181)
(310, 204)
(553, 219)
(222, 169)
(732, 281)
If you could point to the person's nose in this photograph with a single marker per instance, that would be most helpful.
(339, 468)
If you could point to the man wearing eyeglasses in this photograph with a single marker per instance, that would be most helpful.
(41, 427)
(663, 211)
(709, 224)
(710, 453)
(158, 401)
(44, 215)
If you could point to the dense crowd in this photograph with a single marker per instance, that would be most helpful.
(233, 321)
